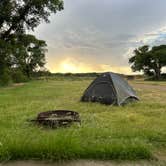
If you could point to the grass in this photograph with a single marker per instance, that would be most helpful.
(136, 131)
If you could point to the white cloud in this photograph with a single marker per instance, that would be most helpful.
(103, 32)
(156, 37)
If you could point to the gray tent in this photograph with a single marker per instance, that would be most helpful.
(109, 88)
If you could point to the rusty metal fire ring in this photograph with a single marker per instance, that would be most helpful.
(57, 118)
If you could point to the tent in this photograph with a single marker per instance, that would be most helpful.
(109, 88)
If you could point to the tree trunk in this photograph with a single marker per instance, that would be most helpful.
(158, 73)
(27, 71)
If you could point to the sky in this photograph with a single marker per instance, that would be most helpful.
(100, 35)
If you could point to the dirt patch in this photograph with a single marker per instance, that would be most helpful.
(18, 84)
(87, 163)
(149, 86)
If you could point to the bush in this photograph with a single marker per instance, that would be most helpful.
(162, 78)
(5, 78)
(18, 76)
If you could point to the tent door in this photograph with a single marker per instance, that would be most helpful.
(103, 92)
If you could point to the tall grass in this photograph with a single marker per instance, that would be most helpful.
(136, 131)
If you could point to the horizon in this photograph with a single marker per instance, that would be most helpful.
(132, 74)
(101, 39)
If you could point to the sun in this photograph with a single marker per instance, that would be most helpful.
(68, 68)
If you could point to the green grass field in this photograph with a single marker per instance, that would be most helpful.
(136, 131)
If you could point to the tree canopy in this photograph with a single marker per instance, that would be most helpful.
(17, 48)
(18, 15)
(149, 60)
(30, 53)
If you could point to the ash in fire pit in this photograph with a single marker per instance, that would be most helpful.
(57, 118)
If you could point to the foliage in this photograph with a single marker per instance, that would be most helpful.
(43, 72)
(18, 76)
(5, 77)
(30, 53)
(19, 15)
(18, 49)
(150, 61)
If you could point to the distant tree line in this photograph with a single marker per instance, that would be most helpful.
(150, 61)
(77, 74)
(20, 53)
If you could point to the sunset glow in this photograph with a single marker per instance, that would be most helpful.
(70, 65)
(65, 68)
(91, 43)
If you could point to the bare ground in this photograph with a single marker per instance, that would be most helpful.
(87, 163)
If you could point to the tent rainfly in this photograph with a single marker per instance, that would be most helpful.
(109, 88)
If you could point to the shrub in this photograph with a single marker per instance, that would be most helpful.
(18, 76)
(5, 78)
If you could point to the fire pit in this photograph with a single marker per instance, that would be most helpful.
(57, 118)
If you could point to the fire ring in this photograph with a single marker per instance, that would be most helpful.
(57, 118)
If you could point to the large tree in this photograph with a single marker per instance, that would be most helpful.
(149, 60)
(17, 16)
(29, 55)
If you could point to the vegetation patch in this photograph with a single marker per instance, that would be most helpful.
(135, 131)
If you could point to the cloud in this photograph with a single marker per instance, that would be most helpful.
(103, 32)
(71, 65)
(156, 37)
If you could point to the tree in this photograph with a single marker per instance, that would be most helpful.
(17, 16)
(5, 51)
(158, 61)
(30, 54)
(150, 61)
